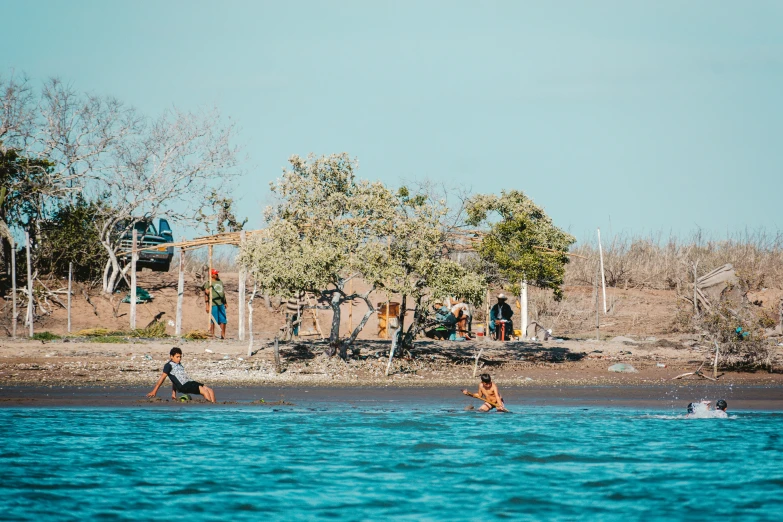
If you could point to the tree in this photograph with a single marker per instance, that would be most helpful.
(325, 228)
(415, 263)
(131, 167)
(511, 241)
(221, 215)
(70, 236)
(168, 168)
(23, 194)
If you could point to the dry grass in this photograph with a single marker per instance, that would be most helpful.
(655, 263)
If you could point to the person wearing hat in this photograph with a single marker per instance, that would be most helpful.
(215, 292)
(501, 312)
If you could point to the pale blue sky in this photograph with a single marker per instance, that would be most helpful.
(661, 116)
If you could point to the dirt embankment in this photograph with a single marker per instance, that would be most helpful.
(654, 345)
(632, 312)
(566, 363)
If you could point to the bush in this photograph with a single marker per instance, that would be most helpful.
(70, 236)
(739, 334)
(45, 336)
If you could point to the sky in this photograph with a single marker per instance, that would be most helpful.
(636, 117)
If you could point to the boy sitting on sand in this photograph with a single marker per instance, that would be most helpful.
(179, 379)
(488, 390)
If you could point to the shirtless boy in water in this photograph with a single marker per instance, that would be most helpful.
(488, 390)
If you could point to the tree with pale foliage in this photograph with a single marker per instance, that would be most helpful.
(134, 168)
(323, 230)
(327, 227)
(169, 167)
(415, 263)
(524, 243)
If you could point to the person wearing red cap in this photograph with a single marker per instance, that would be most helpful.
(214, 291)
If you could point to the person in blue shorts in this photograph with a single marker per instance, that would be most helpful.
(180, 382)
(215, 292)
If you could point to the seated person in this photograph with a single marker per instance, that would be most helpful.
(501, 312)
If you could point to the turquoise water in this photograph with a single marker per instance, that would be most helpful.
(378, 463)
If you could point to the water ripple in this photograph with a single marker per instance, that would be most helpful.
(361, 463)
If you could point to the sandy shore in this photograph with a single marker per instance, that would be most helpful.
(82, 372)
(392, 398)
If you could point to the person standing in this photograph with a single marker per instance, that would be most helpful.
(216, 293)
(501, 312)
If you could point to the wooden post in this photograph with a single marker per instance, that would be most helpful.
(393, 344)
(603, 278)
(70, 279)
(695, 290)
(30, 312)
(241, 307)
(487, 308)
(597, 315)
(387, 316)
(715, 365)
(180, 292)
(14, 314)
(250, 321)
(277, 356)
(350, 307)
(209, 282)
(781, 316)
(134, 255)
(523, 302)
(478, 356)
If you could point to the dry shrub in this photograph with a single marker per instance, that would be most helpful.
(636, 262)
(97, 332)
(196, 335)
(739, 332)
(157, 329)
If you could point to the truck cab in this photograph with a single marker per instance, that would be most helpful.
(153, 252)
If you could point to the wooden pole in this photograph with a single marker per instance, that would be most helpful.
(70, 279)
(715, 365)
(180, 291)
(523, 301)
(30, 312)
(134, 255)
(393, 345)
(603, 278)
(241, 307)
(486, 326)
(387, 316)
(250, 321)
(277, 356)
(14, 314)
(695, 290)
(597, 315)
(478, 356)
(350, 307)
(209, 282)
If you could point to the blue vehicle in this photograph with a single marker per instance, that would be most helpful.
(153, 252)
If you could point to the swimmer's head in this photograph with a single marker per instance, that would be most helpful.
(486, 379)
(690, 407)
(721, 405)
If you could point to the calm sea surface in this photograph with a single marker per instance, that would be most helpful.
(422, 462)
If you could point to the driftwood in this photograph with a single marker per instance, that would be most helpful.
(699, 373)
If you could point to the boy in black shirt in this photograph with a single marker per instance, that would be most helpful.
(180, 381)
